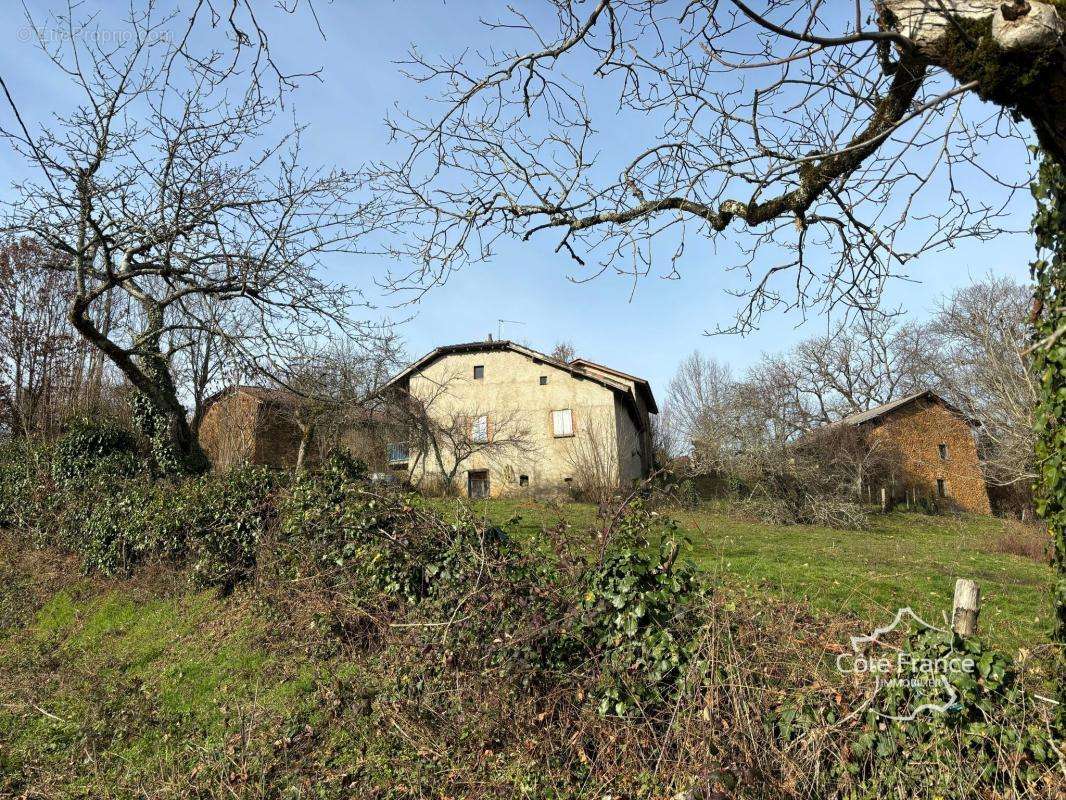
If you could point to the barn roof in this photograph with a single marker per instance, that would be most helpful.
(261, 393)
(871, 414)
(277, 396)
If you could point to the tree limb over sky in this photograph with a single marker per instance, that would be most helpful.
(833, 147)
(162, 188)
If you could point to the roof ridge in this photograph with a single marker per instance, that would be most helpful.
(859, 417)
(494, 344)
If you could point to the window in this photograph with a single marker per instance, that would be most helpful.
(563, 423)
(479, 429)
(398, 452)
(941, 488)
(523, 480)
(943, 448)
(543, 380)
(479, 372)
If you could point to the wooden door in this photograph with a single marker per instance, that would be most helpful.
(477, 484)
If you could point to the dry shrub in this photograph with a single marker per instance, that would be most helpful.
(530, 671)
(1021, 539)
(803, 509)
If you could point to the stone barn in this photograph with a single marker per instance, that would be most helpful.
(934, 447)
(245, 425)
(257, 425)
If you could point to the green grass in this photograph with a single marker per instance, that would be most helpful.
(151, 687)
(146, 680)
(905, 559)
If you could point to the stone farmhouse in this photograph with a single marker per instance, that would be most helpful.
(934, 450)
(494, 418)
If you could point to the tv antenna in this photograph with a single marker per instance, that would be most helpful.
(501, 322)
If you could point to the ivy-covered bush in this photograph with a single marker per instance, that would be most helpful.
(636, 606)
(993, 726)
(144, 519)
(228, 515)
(216, 521)
(21, 468)
(91, 449)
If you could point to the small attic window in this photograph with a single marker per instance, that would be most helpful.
(479, 372)
(943, 450)
(543, 380)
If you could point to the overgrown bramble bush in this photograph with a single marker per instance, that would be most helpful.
(995, 739)
(589, 662)
(90, 449)
(472, 597)
(371, 543)
(228, 515)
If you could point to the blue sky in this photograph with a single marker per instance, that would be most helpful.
(646, 331)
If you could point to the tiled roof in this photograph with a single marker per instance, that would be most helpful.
(503, 344)
(861, 417)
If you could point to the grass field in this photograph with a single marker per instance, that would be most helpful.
(149, 687)
(905, 559)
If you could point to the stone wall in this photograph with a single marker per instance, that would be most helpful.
(916, 432)
(228, 430)
(250, 426)
(511, 390)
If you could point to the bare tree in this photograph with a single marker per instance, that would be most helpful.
(564, 351)
(799, 129)
(857, 366)
(37, 354)
(699, 399)
(977, 359)
(331, 387)
(159, 189)
(667, 442)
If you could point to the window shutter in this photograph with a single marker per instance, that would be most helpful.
(563, 422)
(480, 429)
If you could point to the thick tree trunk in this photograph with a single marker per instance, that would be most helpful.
(161, 415)
(305, 440)
(1014, 51)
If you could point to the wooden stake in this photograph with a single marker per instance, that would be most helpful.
(965, 607)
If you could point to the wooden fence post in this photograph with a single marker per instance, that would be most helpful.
(965, 607)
